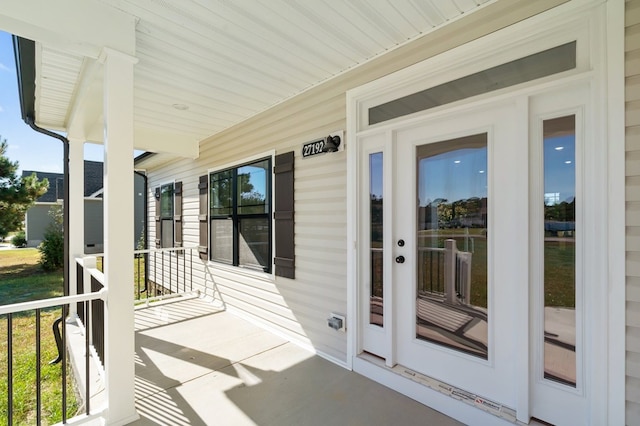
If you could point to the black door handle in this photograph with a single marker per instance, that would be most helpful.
(400, 259)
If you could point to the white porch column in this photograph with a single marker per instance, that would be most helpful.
(76, 211)
(118, 232)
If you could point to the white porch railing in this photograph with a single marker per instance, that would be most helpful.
(158, 274)
(27, 307)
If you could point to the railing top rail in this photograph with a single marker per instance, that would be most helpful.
(153, 250)
(54, 301)
(442, 249)
(168, 249)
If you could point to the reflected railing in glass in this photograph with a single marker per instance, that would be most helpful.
(451, 288)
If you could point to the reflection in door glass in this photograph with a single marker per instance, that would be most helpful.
(375, 211)
(559, 250)
(451, 299)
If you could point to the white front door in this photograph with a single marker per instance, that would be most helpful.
(472, 251)
(460, 205)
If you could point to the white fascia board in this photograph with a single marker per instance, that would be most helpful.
(152, 140)
(79, 26)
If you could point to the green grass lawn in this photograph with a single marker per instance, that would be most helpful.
(21, 279)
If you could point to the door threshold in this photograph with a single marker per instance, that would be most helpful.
(448, 399)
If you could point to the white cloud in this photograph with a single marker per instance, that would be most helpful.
(3, 67)
(13, 147)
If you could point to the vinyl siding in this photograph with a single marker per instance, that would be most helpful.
(632, 122)
(37, 220)
(299, 308)
(93, 226)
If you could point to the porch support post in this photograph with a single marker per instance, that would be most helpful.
(75, 199)
(118, 232)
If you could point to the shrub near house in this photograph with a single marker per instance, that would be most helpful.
(52, 247)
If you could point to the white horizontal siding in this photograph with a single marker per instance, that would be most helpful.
(299, 308)
(632, 171)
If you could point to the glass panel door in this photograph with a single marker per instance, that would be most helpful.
(459, 203)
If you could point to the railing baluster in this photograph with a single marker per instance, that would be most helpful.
(137, 259)
(64, 362)
(146, 274)
(155, 267)
(87, 359)
(438, 287)
(433, 270)
(38, 372)
(10, 369)
(163, 277)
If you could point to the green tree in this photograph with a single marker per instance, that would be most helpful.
(16, 194)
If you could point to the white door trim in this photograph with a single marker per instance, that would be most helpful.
(614, 82)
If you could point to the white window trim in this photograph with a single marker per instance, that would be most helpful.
(240, 270)
(583, 18)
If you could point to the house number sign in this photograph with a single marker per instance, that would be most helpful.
(312, 148)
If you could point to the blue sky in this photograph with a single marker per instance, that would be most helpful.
(31, 149)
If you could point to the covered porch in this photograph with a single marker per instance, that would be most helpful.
(199, 364)
(215, 91)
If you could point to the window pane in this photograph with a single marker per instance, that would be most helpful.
(451, 292)
(559, 250)
(221, 193)
(166, 201)
(167, 233)
(375, 209)
(254, 243)
(253, 188)
(538, 65)
(222, 240)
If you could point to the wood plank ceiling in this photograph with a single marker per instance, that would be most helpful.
(205, 65)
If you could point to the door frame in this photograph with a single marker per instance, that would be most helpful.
(601, 64)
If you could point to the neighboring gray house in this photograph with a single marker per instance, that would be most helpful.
(38, 218)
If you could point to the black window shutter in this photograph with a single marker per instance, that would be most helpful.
(177, 213)
(158, 222)
(203, 243)
(283, 215)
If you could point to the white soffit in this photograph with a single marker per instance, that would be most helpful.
(229, 60)
(58, 76)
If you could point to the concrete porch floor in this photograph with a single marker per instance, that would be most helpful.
(199, 365)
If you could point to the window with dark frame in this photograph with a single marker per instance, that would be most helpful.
(166, 215)
(240, 215)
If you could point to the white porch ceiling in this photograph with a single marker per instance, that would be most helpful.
(229, 60)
